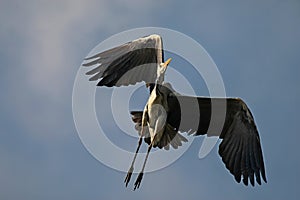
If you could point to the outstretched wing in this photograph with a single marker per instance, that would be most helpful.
(127, 64)
(240, 148)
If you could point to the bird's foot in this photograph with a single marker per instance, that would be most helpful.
(128, 176)
(138, 181)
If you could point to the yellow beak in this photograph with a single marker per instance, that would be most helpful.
(167, 62)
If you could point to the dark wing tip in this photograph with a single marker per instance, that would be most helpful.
(246, 161)
(100, 83)
(127, 64)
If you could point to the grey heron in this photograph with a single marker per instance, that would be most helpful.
(162, 121)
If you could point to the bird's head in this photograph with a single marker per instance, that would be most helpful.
(161, 70)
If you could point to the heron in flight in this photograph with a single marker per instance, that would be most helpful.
(167, 114)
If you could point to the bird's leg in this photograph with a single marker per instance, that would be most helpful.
(139, 178)
(143, 125)
(130, 171)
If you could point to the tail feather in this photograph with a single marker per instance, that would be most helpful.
(169, 138)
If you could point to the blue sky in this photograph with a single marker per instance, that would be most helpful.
(255, 45)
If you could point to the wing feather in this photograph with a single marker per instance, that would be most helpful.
(240, 148)
(133, 62)
(237, 164)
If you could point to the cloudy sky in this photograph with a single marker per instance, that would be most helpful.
(255, 45)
